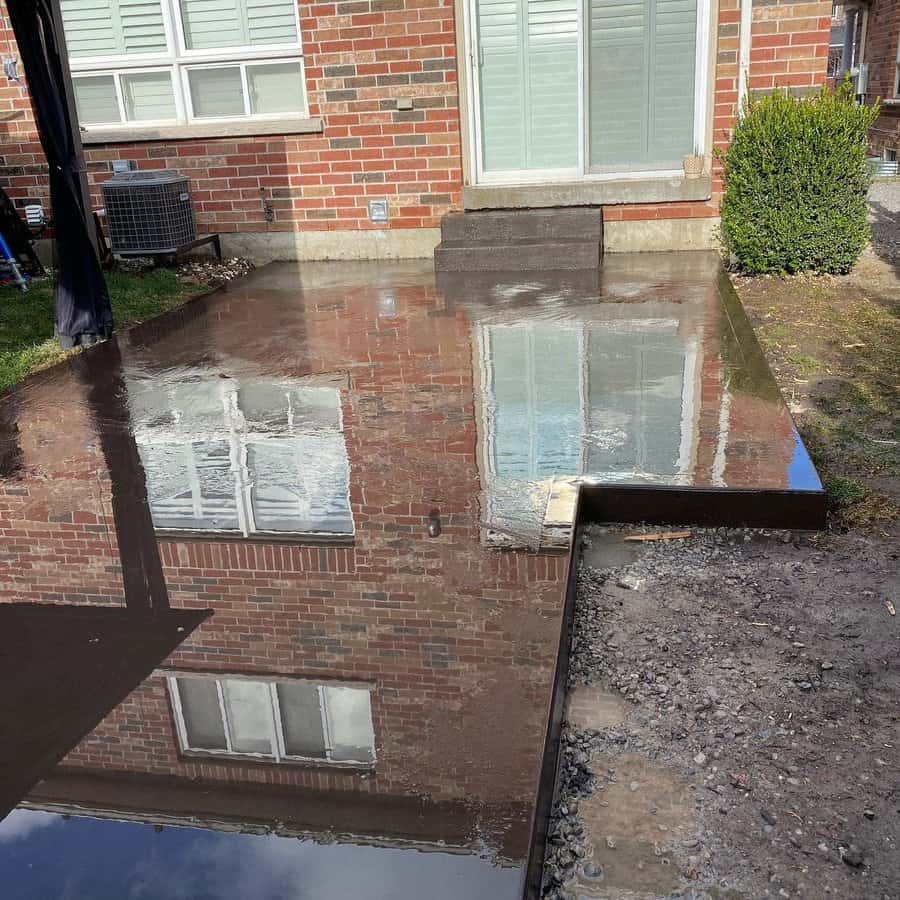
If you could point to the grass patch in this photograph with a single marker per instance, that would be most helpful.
(27, 342)
(844, 492)
(806, 365)
(834, 346)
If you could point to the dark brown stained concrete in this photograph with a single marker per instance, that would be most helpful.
(353, 466)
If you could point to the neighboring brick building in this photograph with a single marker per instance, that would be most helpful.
(875, 46)
(288, 120)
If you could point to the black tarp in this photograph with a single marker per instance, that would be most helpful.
(83, 312)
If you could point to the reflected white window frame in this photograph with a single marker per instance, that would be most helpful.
(239, 441)
(689, 406)
(178, 59)
(276, 733)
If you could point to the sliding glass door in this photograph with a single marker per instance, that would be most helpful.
(570, 88)
(528, 68)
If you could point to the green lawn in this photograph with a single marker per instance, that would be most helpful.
(26, 319)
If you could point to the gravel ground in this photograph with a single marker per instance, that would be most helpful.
(733, 721)
(195, 269)
(884, 214)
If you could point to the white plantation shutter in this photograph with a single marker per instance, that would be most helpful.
(271, 22)
(216, 92)
(528, 83)
(113, 27)
(502, 85)
(275, 88)
(148, 96)
(642, 62)
(95, 99)
(212, 24)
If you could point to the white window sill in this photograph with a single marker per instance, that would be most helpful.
(236, 128)
(589, 192)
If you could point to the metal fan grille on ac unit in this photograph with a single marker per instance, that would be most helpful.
(149, 212)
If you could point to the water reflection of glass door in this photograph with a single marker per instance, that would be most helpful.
(639, 403)
(612, 400)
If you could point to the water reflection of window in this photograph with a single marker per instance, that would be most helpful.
(282, 721)
(248, 457)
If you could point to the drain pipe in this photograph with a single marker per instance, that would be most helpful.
(744, 53)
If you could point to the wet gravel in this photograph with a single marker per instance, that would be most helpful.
(195, 269)
(762, 669)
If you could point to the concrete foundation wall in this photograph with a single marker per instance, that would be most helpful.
(642, 235)
(393, 243)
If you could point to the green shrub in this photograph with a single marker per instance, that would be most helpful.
(796, 182)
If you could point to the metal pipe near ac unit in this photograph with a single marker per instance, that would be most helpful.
(744, 53)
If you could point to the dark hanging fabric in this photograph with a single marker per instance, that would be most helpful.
(83, 312)
(142, 573)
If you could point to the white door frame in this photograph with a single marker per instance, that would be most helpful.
(703, 100)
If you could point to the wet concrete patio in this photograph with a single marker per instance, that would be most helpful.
(365, 482)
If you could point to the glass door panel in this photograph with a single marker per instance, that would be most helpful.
(641, 62)
(528, 53)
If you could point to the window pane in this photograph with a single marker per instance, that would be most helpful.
(271, 22)
(529, 83)
(216, 92)
(350, 724)
(249, 716)
(113, 27)
(301, 484)
(642, 55)
(275, 89)
(210, 24)
(301, 720)
(148, 96)
(202, 716)
(95, 100)
(191, 485)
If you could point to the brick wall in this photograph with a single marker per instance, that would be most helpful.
(881, 55)
(457, 641)
(360, 57)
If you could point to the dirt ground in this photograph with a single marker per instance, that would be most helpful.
(733, 724)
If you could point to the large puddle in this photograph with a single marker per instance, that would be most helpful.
(330, 508)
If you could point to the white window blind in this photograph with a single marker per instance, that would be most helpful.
(113, 27)
(642, 61)
(528, 58)
(172, 61)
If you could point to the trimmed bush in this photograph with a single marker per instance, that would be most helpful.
(796, 182)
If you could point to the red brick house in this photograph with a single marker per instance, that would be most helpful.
(290, 118)
(871, 44)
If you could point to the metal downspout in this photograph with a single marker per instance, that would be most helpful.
(744, 53)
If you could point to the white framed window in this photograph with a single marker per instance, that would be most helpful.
(279, 721)
(169, 62)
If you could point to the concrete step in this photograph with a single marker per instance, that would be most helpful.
(503, 226)
(516, 256)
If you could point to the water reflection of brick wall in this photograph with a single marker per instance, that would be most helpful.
(458, 642)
